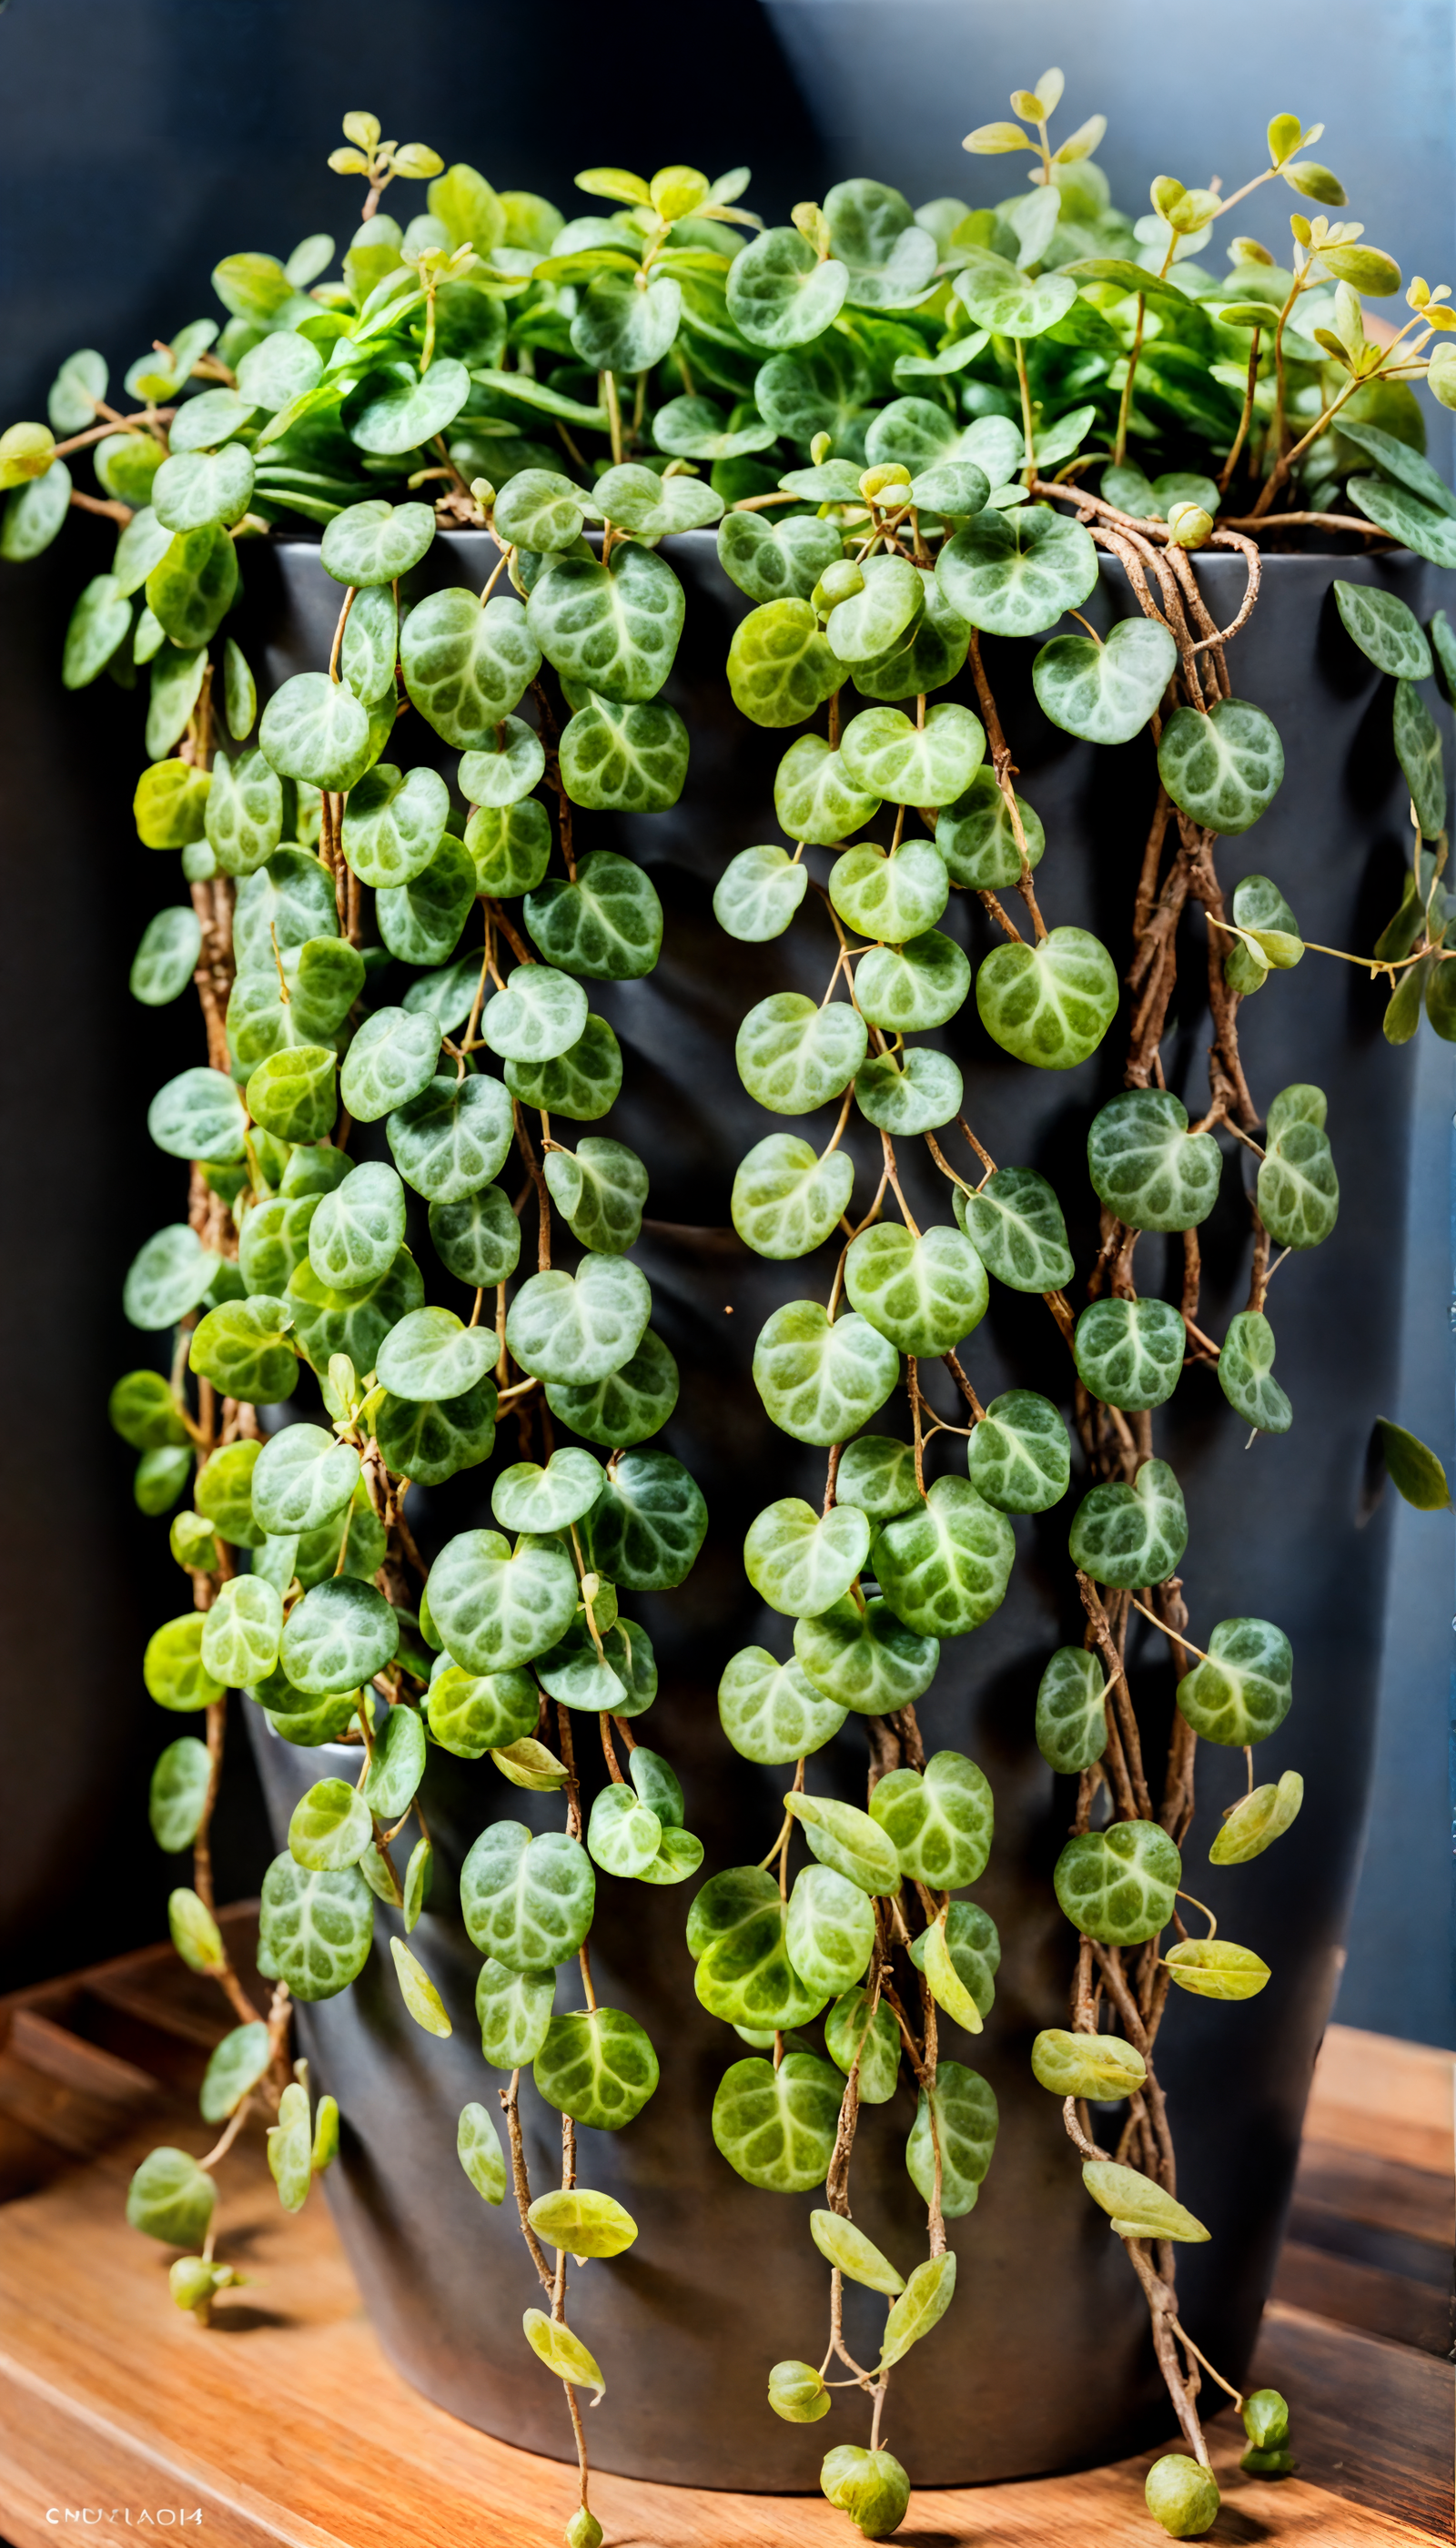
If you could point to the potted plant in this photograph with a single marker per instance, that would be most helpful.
(881, 449)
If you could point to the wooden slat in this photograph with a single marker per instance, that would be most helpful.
(1412, 2201)
(1376, 2094)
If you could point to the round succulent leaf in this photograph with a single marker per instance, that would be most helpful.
(224, 1494)
(801, 1562)
(540, 1013)
(1223, 768)
(338, 1636)
(1147, 1166)
(968, 1951)
(1051, 1004)
(421, 921)
(777, 2127)
(628, 1407)
(245, 812)
(915, 1094)
(302, 1477)
(497, 1610)
(514, 2012)
(198, 1116)
(878, 1474)
(931, 653)
(916, 986)
(1130, 1353)
(429, 1440)
(1246, 1374)
(357, 1231)
(476, 1236)
(465, 666)
(99, 624)
(1106, 689)
(242, 1348)
(1013, 574)
(649, 1523)
(196, 488)
(583, 2224)
(757, 894)
(171, 2197)
(376, 542)
(370, 647)
(392, 1058)
(651, 505)
(1298, 1187)
(794, 1055)
(292, 895)
(692, 428)
(470, 1713)
(240, 1632)
(889, 896)
(448, 1141)
(1018, 1457)
(314, 1928)
(1240, 1691)
(976, 838)
(940, 1822)
(998, 295)
(813, 795)
(190, 589)
(617, 758)
(600, 1190)
(924, 1293)
(743, 1972)
(1216, 1968)
(781, 294)
(771, 1712)
(966, 2123)
(865, 1659)
(1071, 1711)
(618, 1678)
(527, 1901)
(432, 1353)
(292, 1093)
(178, 1793)
(237, 2066)
(577, 1329)
(623, 1835)
(786, 1198)
(781, 669)
(619, 329)
(411, 412)
(314, 728)
(776, 561)
(849, 1840)
(606, 926)
(871, 2487)
(1131, 1536)
(538, 509)
(851, 2033)
(1140, 2208)
(830, 1932)
(509, 845)
(329, 1827)
(614, 627)
(478, 2148)
(327, 1323)
(170, 807)
(168, 1277)
(394, 822)
(943, 1567)
(1386, 630)
(820, 1382)
(167, 958)
(869, 623)
(505, 768)
(1101, 2067)
(1119, 1886)
(889, 757)
(1257, 1820)
(526, 1497)
(144, 1411)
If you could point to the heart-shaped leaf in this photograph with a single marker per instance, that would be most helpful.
(940, 1822)
(758, 894)
(240, 1632)
(777, 2127)
(1014, 573)
(771, 1712)
(743, 1974)
(173, 1667)
(909, 988)
(507, 766)
(794, 1055)
(776, 561)
(786, 1200)
(476, 1237)
(1106, 692)
(470, 1713)
(888, 756)
(890, 897)
(353, 1322)
(1015, 1225)
(541, 1013)
(301, 1478)
(1119, 1884)
(1130, 1353)
(167, 958)
(852, 2035)
(316, 1929)
(514, 2012)
(629, 1407)
(432, 1353)
(293, 894)
(649, 1523)
(943, 1567)
(1240, 1691)
(1224, 768)
(618, 328)
(781, 294)
(1132, 1536)
(830, 1933)
(997, 294)
(465, 667)
(496, 1610)
(391, 1059)
(813, 797)
(394, 822)
(821, 1382)
(619, 758)
(190, 589)
(245, 813)
(614, 627)
(878, 1474)
(527, 1902)
(643, 502)
(168, 1277)
(911, 1094)
(779, 667)
(338, 1636)
(171, 2197)
(329, 1827)
(1071, 1713)
(924, 1293)
(576, 1330)
(1019, 1456)
(869, 623)
(1246, 1374)
(421, 921)
(447, 1143)
(529, 1498)
(242, 1347)
(865, 1659)
(606, 926)
(196, 488)
(538, 509)
(429, 1440)
(316, 729)
(966, 2123)
(509, 845)
(357, 1232)
(1257, 1820)
(374, 543)
(623, 1835)
(847, 1840)
(198, 1116)
(1050, 1004)
(411, 412)
(801, 1562)
(976, 836)
(1298, 1188)
(600, 1190)
(920, 435)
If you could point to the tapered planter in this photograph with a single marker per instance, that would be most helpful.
(1045, 2360)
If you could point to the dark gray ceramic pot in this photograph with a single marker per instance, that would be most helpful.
(1046, 2360)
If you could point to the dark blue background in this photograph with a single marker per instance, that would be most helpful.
(142, 139)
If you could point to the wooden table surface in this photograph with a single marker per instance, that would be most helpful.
(284, 2423)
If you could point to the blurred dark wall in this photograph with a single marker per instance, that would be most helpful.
(140, 142)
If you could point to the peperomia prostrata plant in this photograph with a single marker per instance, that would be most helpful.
(890, 417)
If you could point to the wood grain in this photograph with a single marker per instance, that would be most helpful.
(283, 2424)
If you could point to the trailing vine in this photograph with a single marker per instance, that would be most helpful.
(888, 417)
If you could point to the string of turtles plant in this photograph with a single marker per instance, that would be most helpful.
(882, 484)
(887, 572)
